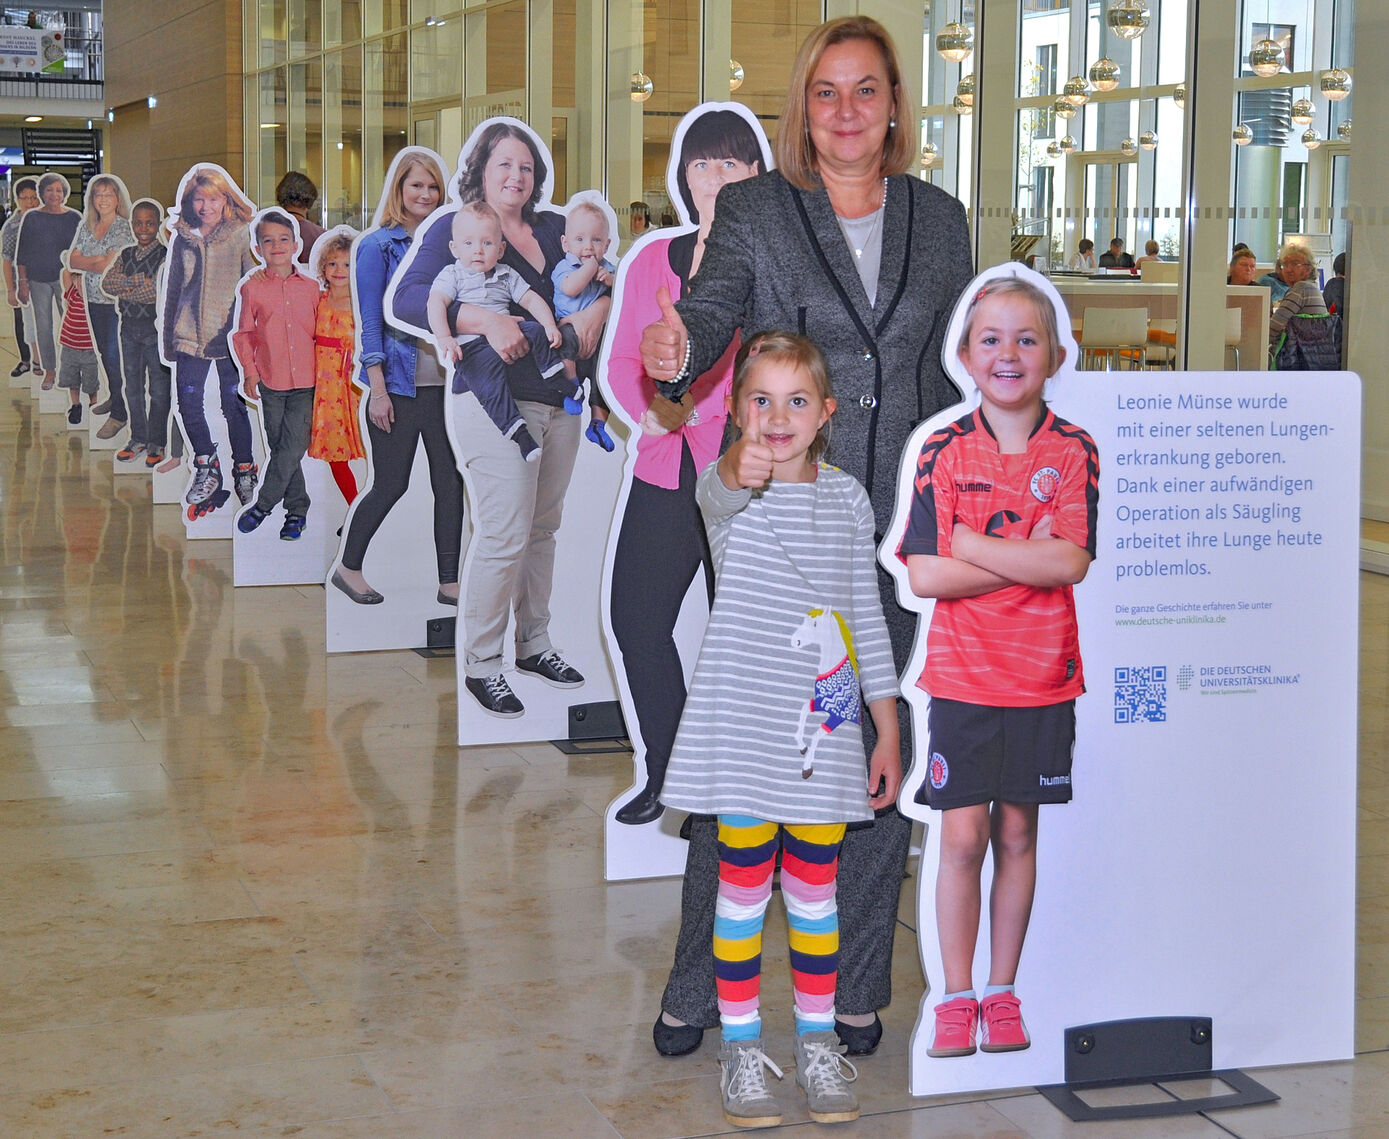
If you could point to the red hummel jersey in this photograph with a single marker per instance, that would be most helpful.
(1018, 646)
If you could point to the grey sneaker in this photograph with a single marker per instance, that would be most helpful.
(825, 1074)
(746, 1101)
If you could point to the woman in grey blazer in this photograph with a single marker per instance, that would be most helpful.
(841, 244)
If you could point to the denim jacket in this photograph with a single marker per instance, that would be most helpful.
(378, 254)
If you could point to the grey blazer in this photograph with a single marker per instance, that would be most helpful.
(777, 259)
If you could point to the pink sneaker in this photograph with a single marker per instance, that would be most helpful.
(1002, 1029)
(955, 1025)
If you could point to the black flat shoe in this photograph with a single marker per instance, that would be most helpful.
(369, 597)
(644, 807)
(860, 1040)
(675, 1039)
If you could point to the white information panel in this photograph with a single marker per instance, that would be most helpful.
(1206, 864)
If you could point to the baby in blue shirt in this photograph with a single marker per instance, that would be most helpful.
(581, 277)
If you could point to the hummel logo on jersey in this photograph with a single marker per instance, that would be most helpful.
(974, 487)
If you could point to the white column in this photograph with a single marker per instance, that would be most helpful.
(1212, 46)
(1367, 337)
(995, 130)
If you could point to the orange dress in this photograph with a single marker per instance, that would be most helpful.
(336, 434)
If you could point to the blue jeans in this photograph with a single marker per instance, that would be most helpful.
(106, 333)
(190, 376)
(140, 356)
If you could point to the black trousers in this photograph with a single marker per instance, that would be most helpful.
(418, 418)
(660, 547)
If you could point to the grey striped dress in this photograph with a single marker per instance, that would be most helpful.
(778, 554)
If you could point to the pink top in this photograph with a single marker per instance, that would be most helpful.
(658, 456)
(273, 341)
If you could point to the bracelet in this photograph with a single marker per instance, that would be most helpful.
(684, 367)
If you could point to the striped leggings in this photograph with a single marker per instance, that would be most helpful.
(809, 865)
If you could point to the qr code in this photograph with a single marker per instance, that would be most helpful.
(1140, 694)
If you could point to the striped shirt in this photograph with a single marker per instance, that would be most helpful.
(1016, 647)
(75, 332)
(1303, 298)
(778, 554)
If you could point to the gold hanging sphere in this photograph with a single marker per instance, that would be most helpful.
(1311, 138)
(961, 106)
(1179, 95)
(1076, 91)
(1148, 140)
(1053, 151)
(965, 89)
(955, 42)
(929, 154)
(1343, 131)
(1067, 145)
(1064, 109)
(1104, 75)
(1128, 19)
(1128, 148)
(641, 87)
(1302, 112)
(735, 75)
(1335, 84)
(1266, 58)
(1243, 135)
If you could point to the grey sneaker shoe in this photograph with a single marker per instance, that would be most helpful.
(825, 1074)
(746, 1101)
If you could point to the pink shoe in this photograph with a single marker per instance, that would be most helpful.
(1002, 1029)
(955, 1025)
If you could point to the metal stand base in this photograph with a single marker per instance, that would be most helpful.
(595, 729)
(1146, 1053)
(438, 637)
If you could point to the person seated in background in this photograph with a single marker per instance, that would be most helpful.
(639, 219)
(1084, 256)
(1116, 258)
(1294, 264)
(1335, 291)
(296, 194)
(1150, 253)
(1242, 267)
(1302, 296)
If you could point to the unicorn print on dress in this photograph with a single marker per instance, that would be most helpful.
(836, 692)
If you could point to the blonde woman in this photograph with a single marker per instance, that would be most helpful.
(405, 404)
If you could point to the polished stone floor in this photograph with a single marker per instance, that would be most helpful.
(249, 889)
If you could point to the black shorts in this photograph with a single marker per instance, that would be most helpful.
(980, 754)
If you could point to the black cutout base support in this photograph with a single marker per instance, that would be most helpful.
(595, 729)
(1146, 1052)
(438, 637)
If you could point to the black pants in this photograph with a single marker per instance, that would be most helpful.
(20, 339)
(660, 548)
(418, 417)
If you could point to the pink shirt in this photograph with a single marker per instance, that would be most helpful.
(273, 341)
(658, 456)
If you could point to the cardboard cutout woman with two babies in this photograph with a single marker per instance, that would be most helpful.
(515, 294)
(995, 522)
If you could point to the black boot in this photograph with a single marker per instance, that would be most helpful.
(644, 807)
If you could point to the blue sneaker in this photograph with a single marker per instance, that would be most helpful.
(293, 528)
(251, 518)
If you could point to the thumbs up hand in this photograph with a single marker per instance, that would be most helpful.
(748, 462)
(663, 343)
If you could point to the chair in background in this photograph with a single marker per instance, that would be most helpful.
(1234, 330)
(1119, 335)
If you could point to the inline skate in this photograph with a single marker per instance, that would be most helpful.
(207, 492)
